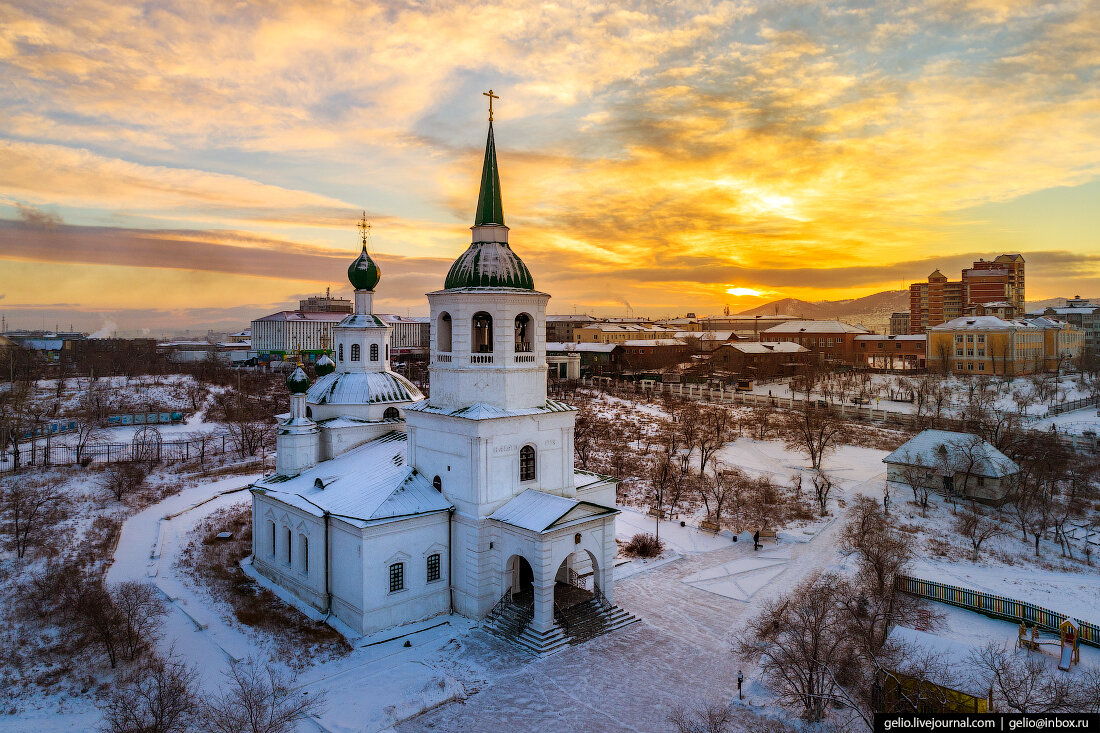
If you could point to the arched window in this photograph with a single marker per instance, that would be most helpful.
(356, 352)
(527, 463)
(309, 412)
(374, 352)
(303, 552)
(523, 333)
(289, 547)
(443, 332)
(391, 413)
(483, 333)
(340, 352)
(271, 537)
(438, 484)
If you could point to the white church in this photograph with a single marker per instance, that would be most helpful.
(387, 507)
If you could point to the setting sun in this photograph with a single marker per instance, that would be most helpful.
(747, 292)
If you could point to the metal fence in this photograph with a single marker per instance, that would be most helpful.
(996, 606)
(67, 455)
(1070, 406)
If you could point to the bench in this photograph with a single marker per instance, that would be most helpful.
(708, 526)
(769, 534)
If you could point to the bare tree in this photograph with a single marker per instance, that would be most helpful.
(977, 529)
(257, 700)
(814, 430)
(801, 644)
(719, 488)
(141, 609)
(1028, 685)
(125, 479)
(718, 425)
(30, 510)
(157, 697)
(823, 487)
(712, 718)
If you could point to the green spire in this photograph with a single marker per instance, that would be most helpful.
(489, 208)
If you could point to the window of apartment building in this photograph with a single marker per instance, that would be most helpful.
(958, 338)
(969, 339)
(970, 352)
(981, 338)
(958, 352)
(970, 367)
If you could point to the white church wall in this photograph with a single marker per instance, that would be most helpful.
(478, 460)
(346, 579)
(304, 573)
(338, 440)
(408, 541)
(475, 555)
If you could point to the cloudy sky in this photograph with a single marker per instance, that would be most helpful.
(198, 163)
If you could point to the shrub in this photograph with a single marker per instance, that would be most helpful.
(644, 545)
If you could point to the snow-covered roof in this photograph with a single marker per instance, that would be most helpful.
(768, 347)
(369, 483)
(892, 337)
(483, 411)
(653, 342)
(572, 318)
(362, 388)
(628, 328)
(1073, 310)
(304, 316)
(931, 448)
(815, 327)
(707, 335)
(982, 323)
(363, 320)
(580, 346)
(539, 511)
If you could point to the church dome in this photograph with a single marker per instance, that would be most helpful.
(489, 265)
(324, 366)
(362, 388)
(364, 273)
(297, 382)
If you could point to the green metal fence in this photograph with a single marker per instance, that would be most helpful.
(995, 606)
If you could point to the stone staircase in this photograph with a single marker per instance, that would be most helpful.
(574, 625)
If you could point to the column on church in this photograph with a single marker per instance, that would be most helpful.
(544, 604)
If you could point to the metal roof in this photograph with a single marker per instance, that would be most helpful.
(815, 327)
(767, 347)
(539, 511)
(303, 316)
(362, 388)
(369, 483)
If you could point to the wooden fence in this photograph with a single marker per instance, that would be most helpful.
(995, 606)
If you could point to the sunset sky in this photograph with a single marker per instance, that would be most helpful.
(200, 163)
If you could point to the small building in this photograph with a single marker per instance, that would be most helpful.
(617, 333)
(834, 340)
(761, 359)
(899, 322)
(1080, 312)
(592, 358)
(891, 352)
(644, 354)
(952, 463)
(706, 341)
(562, 328)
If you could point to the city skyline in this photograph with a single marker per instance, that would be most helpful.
(186, 167)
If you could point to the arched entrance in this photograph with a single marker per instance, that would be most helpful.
(520, 579)
(576, 581)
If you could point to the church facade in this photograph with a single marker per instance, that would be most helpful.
(387, 507)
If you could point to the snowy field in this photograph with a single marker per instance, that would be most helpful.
(692, 602)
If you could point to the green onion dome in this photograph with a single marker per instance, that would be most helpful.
(489, 265)
(324, 366)
(364, 273)
(297, 382)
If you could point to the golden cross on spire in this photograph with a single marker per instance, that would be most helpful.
(491, 97)
(364, 230)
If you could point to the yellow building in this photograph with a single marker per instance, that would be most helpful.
(617, 333)
(995, 346)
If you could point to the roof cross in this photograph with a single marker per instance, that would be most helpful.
(364, 230)
(491, 97)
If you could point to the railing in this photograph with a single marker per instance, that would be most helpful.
(995, 606)
(523, 346)
(524, 358)
(445, 358)
(29, 456)
(499, 606)
(481, 358)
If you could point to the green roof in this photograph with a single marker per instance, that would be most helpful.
(489, 208)
(489, 265)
